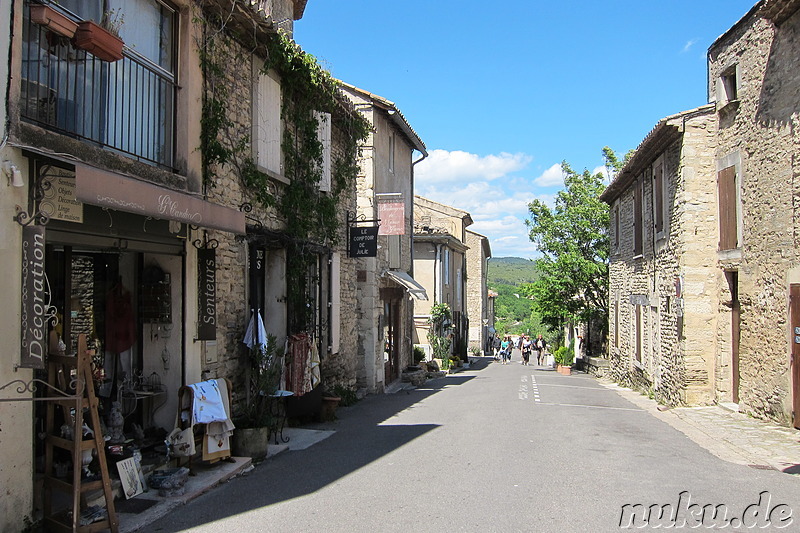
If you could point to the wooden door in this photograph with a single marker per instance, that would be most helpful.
(794, 311)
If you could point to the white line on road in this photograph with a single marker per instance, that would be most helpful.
(595, 407)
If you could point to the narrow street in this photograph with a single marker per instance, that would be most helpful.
(493, 448)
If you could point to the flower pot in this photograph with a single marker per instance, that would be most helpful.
(250, 442)
(53, 20)
(329, 405)
(98, 41)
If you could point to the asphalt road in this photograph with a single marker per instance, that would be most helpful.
(495, 448)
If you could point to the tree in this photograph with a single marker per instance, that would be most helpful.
(573, 239)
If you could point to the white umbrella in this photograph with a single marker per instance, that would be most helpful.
(256, 333)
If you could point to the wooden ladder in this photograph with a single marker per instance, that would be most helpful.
(74, 374)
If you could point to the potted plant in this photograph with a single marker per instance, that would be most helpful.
(438, 334)
(563, 358)
(53, 20)
(254, 421)
(101, 40)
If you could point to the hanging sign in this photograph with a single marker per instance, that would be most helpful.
(59, 200)
(207, 290)
(363, 241)
(36, 308)
(392, 217)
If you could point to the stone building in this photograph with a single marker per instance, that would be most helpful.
(480, 304)
(707, 308)
(754, 84)
(440, 265)
(663, 280)
(386, 289)
(182, 219)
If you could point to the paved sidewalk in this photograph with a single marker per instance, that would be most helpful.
(731, 436)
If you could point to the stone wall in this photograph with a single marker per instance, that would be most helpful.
(232, 252)
(675, 369)
(759, 130)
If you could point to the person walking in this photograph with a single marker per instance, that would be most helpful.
(505, 349)
(496, 345)
(540, 346)
(526, 349)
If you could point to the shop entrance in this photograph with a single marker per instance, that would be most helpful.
(124, 295)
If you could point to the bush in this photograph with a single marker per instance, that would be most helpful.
(419, 354)
(563, 356)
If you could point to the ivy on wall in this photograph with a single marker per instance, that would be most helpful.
(312, 217)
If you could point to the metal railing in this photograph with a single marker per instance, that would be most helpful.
(127, 106)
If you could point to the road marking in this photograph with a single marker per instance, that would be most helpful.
(595, 407)
(573, 387)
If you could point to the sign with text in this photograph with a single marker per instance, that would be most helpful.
(207, 291)
(392, 216)
(59, 200)
(363, 241)
(36, 309)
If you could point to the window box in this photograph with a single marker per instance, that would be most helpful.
(98, 41)
(53, 20)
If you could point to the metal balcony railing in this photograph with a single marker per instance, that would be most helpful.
(127, 106)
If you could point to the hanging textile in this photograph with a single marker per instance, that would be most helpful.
(120, 324)
(299, 366)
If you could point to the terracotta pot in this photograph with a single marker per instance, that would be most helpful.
(53, 20)
(329, 405)
(98, 41)
(250, 442)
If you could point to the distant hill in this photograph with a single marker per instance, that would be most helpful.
(510, 271)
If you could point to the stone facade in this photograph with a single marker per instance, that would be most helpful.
(478, 301)
(339, 364)
(440, 251)
(754, 82)
(385, 179)
(663, 283)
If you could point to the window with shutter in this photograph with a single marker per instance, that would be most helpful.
(658, 197)
(637, 217)
(728, 209)
(267, 123)
(324, 137)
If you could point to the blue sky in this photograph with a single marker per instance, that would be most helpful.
(502, 92)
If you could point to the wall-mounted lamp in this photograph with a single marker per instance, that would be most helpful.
(14, 174)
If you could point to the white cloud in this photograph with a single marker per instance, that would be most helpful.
(445, 166)
(551, 177)
(688, 45)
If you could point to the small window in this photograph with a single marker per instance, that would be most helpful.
(728, 86)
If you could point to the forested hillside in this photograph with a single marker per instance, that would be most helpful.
(513, 313)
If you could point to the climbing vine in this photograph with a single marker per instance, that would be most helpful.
(312, 216)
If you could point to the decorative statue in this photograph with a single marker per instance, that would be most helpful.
(115, 423)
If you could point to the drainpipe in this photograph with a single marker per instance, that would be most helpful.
(413, 164)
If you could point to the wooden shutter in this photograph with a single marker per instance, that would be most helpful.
(267, 127)
(658, 197)
(324, 137)
(637, 218)
(728, 212)
(616, 227)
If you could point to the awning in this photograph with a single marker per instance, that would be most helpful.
(115, 191)
(409, 284)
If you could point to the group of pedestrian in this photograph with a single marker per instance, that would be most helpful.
(502, 348)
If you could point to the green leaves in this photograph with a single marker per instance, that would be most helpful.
(573, 239)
